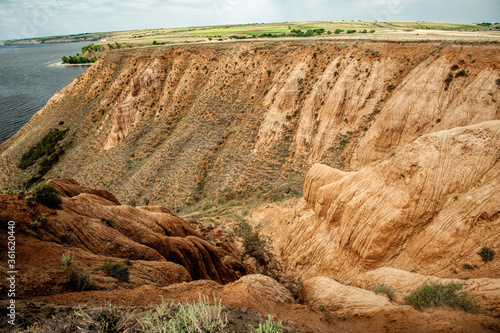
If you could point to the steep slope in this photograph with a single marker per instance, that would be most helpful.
(429, 209)
(179, 124)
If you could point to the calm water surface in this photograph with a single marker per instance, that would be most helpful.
(27, 81)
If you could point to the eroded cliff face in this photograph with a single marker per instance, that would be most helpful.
(173, 125)
(429, 209)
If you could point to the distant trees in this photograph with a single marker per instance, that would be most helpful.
(77, 59)
(92, 47)
(308, 33)
(80, 59)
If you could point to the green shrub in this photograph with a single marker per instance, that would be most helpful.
(47, 195)
(461, 73)
(269, 326)
(115, 270)
(436, 294)
(196, 317)
(487, 254)
(338, 31)
(79, 279)
(384, 289)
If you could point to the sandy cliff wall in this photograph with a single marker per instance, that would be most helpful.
(429, 209)
(180, 123)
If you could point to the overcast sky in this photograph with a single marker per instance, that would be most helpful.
(38, 18)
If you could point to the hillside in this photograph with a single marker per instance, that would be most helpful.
(388, 154)
(175, 125)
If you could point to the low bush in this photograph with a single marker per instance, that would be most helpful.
(486, 254)
(39, 222)
(47, 195)
(79, 279)
(116, 270)
(436, 294)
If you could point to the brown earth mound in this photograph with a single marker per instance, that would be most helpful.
(157, 247)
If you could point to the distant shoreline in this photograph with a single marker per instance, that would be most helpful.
(70, 65)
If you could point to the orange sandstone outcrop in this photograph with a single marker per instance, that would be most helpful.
(429, 209)
(92, 227)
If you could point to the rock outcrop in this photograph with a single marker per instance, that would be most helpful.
(92, 227)
(485, 291)
(328, 294)
(428, 209)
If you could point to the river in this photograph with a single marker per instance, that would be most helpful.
(28, 81)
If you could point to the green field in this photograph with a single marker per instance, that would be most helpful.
(197, 34)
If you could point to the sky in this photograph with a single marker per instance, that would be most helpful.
(39, 18)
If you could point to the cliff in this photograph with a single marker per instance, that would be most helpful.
(180, 124)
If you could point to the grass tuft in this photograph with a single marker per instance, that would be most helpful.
(195, 317)
(384, 289)
(268, 327)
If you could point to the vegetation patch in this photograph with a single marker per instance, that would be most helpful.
(66, 260)
(47, 195)
(77, 59)
(447, 81)
(486, 254)
(254, 245)
(116, 270)
(384, 289)
(268, 327)
(187, 317)
(436, 294)
(78, 278)
(46, 150)
(46, 147)
(39, 222)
